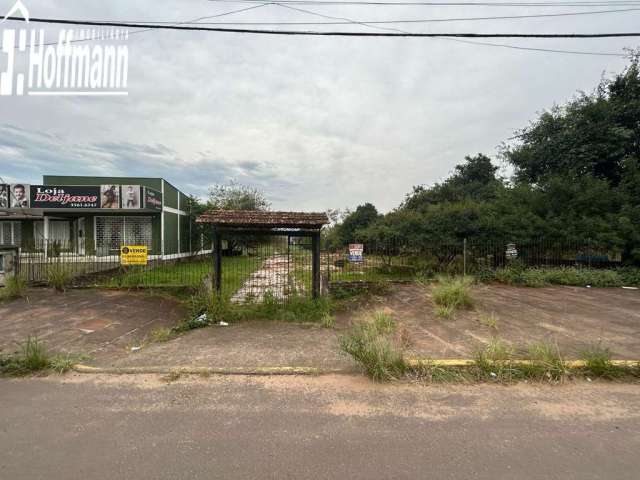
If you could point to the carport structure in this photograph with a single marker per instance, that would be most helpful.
(239, 223)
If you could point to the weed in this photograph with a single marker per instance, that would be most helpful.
(328, 321)
(161, 334)
(59, 276)
(32, 358)
(489, 320)
(430, 372)
(546, 362)
(598, 363)
(369, 342)
(14, 288)
(451, 294)
(63, 363)
(540, 277)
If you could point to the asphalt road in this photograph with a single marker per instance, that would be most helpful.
(141, 427)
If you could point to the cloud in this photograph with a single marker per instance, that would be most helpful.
(315, 122)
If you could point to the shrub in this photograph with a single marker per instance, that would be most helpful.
(451, 294)
(14, 288)
(598, 363)
(59, 276)
(372, 345)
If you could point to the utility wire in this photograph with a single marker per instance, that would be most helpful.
(326, 34)
(600, 3)
(429, 20)
(471, 42)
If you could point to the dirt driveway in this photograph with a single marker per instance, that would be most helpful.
(573, 317)
(89, 321)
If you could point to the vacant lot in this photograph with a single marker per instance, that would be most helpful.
(90, 321)
(106, 324)
(573, 317)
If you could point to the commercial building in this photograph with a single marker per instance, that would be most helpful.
(95, 216)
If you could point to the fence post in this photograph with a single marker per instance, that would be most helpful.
(315, 246)
(464, 257)
(217, 262)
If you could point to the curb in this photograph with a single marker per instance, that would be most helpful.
(258, 371)
(311, 371)
(464, 362)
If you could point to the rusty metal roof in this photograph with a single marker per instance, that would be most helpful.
(267, 220)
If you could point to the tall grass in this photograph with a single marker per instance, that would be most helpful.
(14, 288)
(59, 276)
(451, 294)
(374, 347)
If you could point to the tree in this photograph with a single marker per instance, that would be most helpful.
(353, 223)
(235, 196)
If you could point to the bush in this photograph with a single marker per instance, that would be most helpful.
(451, 294)
(540, 277)
(14, 288)
(372, 345)
(59, 276)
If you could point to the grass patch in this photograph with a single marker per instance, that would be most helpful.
(451, 294)
(59, 276)
(489, 320)
(598, 364)
(374, 347)
(162, 334)
(34, 358)
(207, 309)
(13, 289)
(570, 276)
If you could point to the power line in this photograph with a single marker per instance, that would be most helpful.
(429, 20)
(470, 42)
(599, 3)
(326, 34)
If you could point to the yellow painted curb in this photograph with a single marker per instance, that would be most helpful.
(210, 370)
(465, 362)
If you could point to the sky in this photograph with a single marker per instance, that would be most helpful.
(315, 122)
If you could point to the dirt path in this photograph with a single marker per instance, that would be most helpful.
(273, 277)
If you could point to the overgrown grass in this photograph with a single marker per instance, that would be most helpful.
(451, 294)
(34, 358)
(374, 346)
(59, 276)
(161, 335)
(207, 309)
(598, 364)
(540, 277)
(14, 288)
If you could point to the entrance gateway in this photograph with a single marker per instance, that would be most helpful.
(226, 224)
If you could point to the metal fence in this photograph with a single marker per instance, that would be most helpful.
(279, 267)
(405, 261)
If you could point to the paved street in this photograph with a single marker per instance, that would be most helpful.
(142, 427)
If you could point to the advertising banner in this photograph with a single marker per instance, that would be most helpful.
(152, 199)
(59, 196)
(19, 195)
(110, 196)
(4, 195)
(134, 255)
(131, 197)
(356, 252)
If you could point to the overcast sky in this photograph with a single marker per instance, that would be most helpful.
(317, 122)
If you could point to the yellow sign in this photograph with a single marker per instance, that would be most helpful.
(133, 255)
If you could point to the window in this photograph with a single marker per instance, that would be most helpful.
(113, 232)
(10, 233)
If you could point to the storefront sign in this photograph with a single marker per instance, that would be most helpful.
(58, 196)
(356, 252)
(152, 199)
(134, 255)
